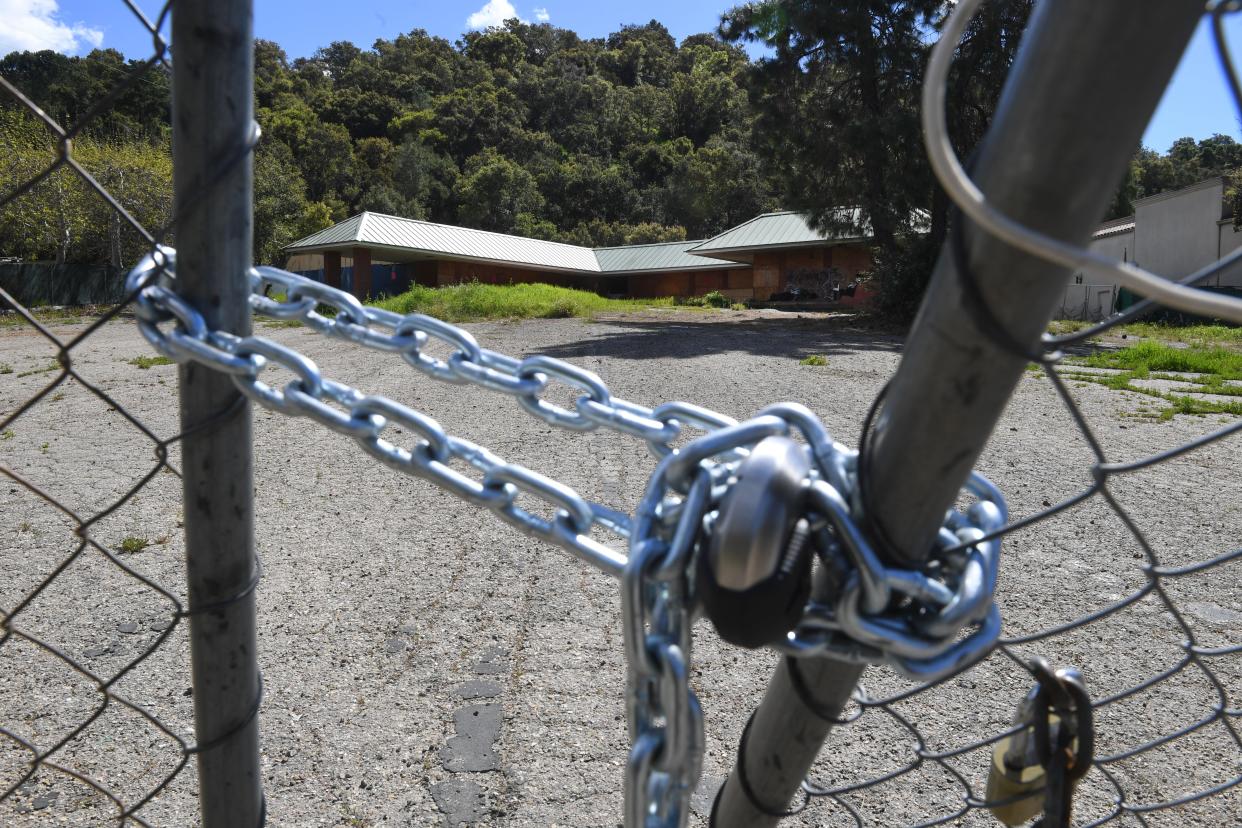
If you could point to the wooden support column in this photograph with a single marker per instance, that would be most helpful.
(362, 273)
(332, 268)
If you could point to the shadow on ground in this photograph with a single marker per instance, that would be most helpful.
(647, 338)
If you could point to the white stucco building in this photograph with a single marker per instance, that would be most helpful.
(1173, 234)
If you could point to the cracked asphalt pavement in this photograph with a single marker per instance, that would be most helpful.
(426, 665)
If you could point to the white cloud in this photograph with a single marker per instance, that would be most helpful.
(495, 13)
(32, 25)
(541, 14)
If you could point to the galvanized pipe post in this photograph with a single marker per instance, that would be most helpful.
(213, 70)
(1086, 80)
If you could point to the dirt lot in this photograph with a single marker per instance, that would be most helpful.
(426, 665)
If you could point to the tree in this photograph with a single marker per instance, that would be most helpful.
(425, 180)
(271, 73)
(836, 109)
(62, 218)
(641, 54)
(67, 87)
(706, 98)
(716, 187)
(1187, 162)
(521, 126)
(836, 105)
(282, 213)
(327, 162)
(494, 190)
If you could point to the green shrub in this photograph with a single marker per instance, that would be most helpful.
(818, 360)
(716, 299)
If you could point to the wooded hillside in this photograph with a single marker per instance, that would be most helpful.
(526, 129)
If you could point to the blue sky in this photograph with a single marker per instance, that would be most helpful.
(1196, 103)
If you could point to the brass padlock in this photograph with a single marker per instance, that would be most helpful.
(1017, 775)
(1015, 771)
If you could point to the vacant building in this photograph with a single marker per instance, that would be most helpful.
(1173, 233)
(371, 254)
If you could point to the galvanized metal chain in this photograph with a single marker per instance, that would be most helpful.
(920, 635)
(918, 638)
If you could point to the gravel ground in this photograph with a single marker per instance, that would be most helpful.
(427, 665)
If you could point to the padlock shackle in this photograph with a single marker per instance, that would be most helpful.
(1065, 693)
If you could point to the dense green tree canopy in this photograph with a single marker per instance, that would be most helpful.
(520, 128)
(532, 129)
(1187, 162)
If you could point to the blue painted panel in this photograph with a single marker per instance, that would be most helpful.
(386, 279)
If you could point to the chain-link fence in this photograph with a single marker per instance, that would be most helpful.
(91, 611)
(1167, 740)
(1167, 745)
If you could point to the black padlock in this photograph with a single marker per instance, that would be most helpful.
(754, 577)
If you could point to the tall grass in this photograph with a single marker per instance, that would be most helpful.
(474, 301)
(1199, 335)
(1191, 334)
(1148, 356)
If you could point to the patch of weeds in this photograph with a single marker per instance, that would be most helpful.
(814, 359)
(7, 434)
(132, 545)
(47, 315)
(145, 362)
(25, 526)
(57, 397)
(561, 309)
(738, 306)
(53, 366)
(1176, 402)
(1060, 327)
(5, 368)
(44, 448)
(352, 818)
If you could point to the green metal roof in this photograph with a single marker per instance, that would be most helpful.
(784, 229)
(635, 258)
(412, 236)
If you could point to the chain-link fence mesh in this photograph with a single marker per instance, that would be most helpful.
(86, 614)
(88, 609)
(1167, 613)
(1161, 647)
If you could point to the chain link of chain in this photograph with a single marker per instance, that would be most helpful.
(919, 634)
(918, 637)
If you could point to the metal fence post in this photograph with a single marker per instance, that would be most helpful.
(1083, 86)
(213, 69)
